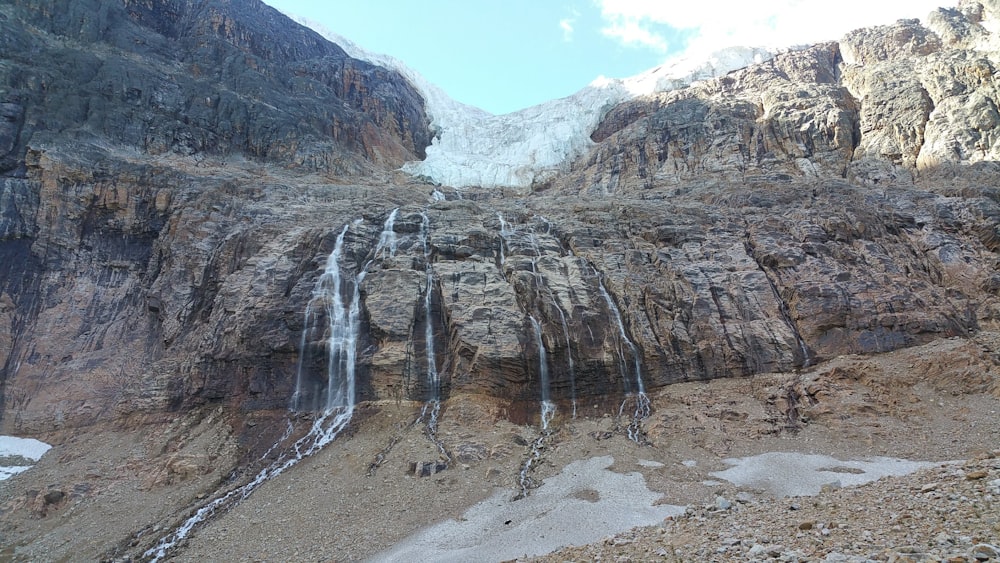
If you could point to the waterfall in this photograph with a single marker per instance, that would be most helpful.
(340, 331)
(569, 357)
(548, 407)
(433, 379)
(387, 240)
(642, 406)
(559, 309)
(528, 239)
(623, 337)
(327, 316)
(505, 233)
(433, 405)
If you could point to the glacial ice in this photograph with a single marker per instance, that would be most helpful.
(472, 147)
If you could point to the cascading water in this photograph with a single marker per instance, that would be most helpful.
(505, 233)
(642, 409)
(569, 358)
(548, 407)
(387, 240)
(562, 319)
(432, 407)
(433, 379)
(327, 316)
(328, 319)
(323, 431)
(511, 239)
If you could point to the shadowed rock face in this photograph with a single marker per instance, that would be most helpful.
(176, 176)
(197, 78)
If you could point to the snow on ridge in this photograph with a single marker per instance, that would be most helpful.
(473, 147)
(517, 149)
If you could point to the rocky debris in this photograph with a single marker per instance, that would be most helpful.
(824, 225)
(426, 468)
(893, 519)
(112, 501)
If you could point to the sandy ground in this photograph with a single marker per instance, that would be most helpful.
(841, 421)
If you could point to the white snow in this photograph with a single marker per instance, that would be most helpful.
(6, 472)
(517, 149)
(475, 148)
(794, 474)
(27, 448)
(581, 505)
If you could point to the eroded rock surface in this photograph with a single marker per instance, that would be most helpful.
(168, 225)
(175, 176)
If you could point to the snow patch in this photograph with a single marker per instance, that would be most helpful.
(23, 448)
(555, 515)
(786, 474)
(11, 470)
(29, 448)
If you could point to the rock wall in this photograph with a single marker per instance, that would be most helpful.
(211, 79)
(159, 252)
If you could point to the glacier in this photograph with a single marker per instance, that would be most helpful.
(472, 147)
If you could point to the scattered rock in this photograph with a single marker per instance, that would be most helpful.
(829, 487)
(986, 552)
(54, 497)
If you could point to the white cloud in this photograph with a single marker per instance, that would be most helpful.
(714, 24)
(634, 33)
(567, 26)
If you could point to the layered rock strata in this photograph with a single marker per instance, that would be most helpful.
(172, 191)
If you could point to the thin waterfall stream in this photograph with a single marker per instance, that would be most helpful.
(432, 407)
(548, 409)
(510, 239)
(641, 408)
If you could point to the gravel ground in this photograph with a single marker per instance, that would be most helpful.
(946, 513)
(125, 485)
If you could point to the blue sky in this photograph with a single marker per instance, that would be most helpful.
(504, 55)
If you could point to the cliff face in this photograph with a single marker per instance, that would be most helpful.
(176, 175)
(198, 78)
(132, 137)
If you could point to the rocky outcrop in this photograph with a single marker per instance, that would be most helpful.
(172, 193)
(213, 79)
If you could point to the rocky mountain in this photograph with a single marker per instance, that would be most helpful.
(177, 174)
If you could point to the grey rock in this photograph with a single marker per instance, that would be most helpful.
(985, 552)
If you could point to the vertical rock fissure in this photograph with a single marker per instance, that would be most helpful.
(432, 406)
(641, 404)
(786, 314)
